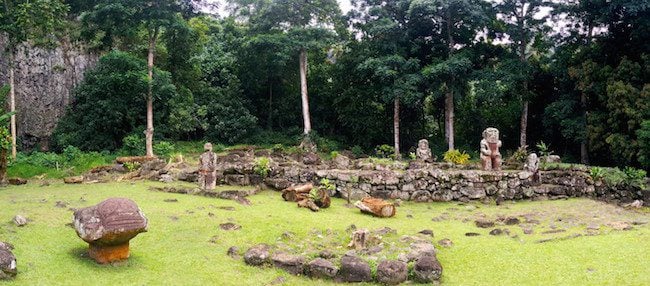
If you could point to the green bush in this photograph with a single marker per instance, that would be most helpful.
(456, 157)
(644, 143)
(262, 166)
(163, 149)
(385, 151)
(133, 144)
(357, 151)
(71, 162)
(634, 177)
(518, 157)
(597, 173)
(110, 103)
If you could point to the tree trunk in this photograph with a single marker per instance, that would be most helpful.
(270, 118)
(303, 92)
(377, 207)
(449, 119)
(449, 96)
(584, 144)
(398, 155)
(12, 104)
(149, 131)
(3, 166)
(524, 123)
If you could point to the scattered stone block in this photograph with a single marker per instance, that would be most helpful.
(17, 181)
(20, 220)
(392, 272)
(233, 252)
(108, 226)
(427, 269)
(511, 221)
(496, 231)
(257, 255)
(321, 268)
(229, 226)
(483, 223)
(446, 243)
(294, 264)
(8, 266)
(354, 269)
(73, 180)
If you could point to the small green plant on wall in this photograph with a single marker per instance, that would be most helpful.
(262, 166)
(456, 157)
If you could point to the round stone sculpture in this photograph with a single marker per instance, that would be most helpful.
(108, 227)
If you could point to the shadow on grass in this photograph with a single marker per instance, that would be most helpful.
(80, 254)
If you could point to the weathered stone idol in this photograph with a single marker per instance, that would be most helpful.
(423, 153)
(108, 227)
(532, 165)
(207, 168)
(8, 268)
(490, 156)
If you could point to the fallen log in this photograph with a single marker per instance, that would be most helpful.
(297, 193)
(307, 203)
(134, 159)
(376, 207)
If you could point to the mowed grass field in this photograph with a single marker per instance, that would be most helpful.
(185, 246)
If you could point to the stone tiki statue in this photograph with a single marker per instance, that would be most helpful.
(490, 156)
(207, 168)
(423, 153)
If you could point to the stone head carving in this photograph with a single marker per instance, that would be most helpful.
(491, 135)
(207, 147)
(423, 144)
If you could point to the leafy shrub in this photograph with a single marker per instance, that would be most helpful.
(131, 166)
(133, 144)
(71, 161)
(357, 151)
(334, 154)
(597, 173)
(643, 135)
(384, 151)
(456, 157)
(163, 149)
(634, 177)
(262, 166)
(544, 150)
(518, 157)
(111, 99)
(327, 184)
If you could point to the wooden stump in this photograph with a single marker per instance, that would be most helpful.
(297, 193)
(376, 207)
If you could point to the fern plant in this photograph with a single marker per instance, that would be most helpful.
(456, 157)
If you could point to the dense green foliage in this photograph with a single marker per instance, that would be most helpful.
(583, 67)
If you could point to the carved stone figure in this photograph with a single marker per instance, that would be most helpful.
(423, 153)
(490, 156)
(532, 165)
(108, 227)
(207, 168)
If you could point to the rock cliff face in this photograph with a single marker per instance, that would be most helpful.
(44, 80)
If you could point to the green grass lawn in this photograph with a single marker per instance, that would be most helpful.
(185, 246)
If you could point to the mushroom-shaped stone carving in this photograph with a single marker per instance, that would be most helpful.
(8, 268)
(108, 227)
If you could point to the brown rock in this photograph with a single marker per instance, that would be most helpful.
(17, 181)
(294, 264)
(257, 255)
(483, 223)
(8, 265)
(427, 269)
(354, 269)
(73, 180)
(392, 272)
(108, 227)
(445, 243)
(321, 268)
(230, 226)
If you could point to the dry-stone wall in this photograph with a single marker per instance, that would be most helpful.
(429, 182)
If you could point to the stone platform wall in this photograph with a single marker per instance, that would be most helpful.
(428, 182)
